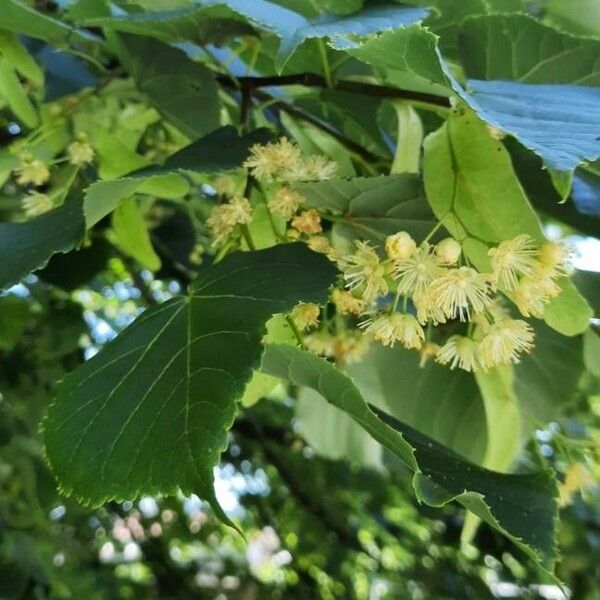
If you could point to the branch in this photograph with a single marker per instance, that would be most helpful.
(352, 87)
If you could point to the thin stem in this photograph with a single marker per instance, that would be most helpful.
(298, 113)
(247, 237)
(433, 231)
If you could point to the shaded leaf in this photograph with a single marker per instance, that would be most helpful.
(29, 245)
(519, 48)
(183, 91)
(546, 379)
(373, 206)
(14, 314)
(443, 404)
(150, 412)
(522, 507)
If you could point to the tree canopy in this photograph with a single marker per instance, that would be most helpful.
(297, 299)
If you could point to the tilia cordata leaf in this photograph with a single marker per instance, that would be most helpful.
(522, 507)
(150, 412)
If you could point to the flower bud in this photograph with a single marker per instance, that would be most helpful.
(448, 251)
(400, 246)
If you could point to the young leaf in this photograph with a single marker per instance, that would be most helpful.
(522, 507)
(150, 412)
(132, 234)
(28, 246)
(472, 187)
(183, 91)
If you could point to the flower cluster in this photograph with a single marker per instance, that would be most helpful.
(226, 217)
(437, 285)
(283, 161)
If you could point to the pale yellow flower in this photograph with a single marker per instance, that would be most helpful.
(461, 292)
(400, 246)
(32, 170)
(577, 477)
(285, 203)
(80, 152)
(35, 204)
(505, 341)
(225, 217)
(448, 251)
(460, 351)
(306, 314)
(308, 222)
(363, 272)
(512, 259)
(346, 303)
(427, 308)
(428, 351)
(389, 328)
(321, 343)
(349, 348)
(320, 244)
(415, 274)
(533, 293)
(318, 168)
(554, 259)
(271, 161)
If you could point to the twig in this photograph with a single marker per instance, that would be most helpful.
(352, 87)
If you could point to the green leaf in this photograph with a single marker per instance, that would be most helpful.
(504, 431)
(546, 379)
(576, 16)
(373, 206)
(519, 48)
(472, 188)
(19, 18)
(440, 403)
(183, 91)
(407, 58)
(218, 151)
(193, 23)
(102, 197)
(522, 507)
(13, 92)
(150, 412)
(132, 234)
(20, 59)
(591, 351)
(448, 15)
(293, 28)
(28, 246)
